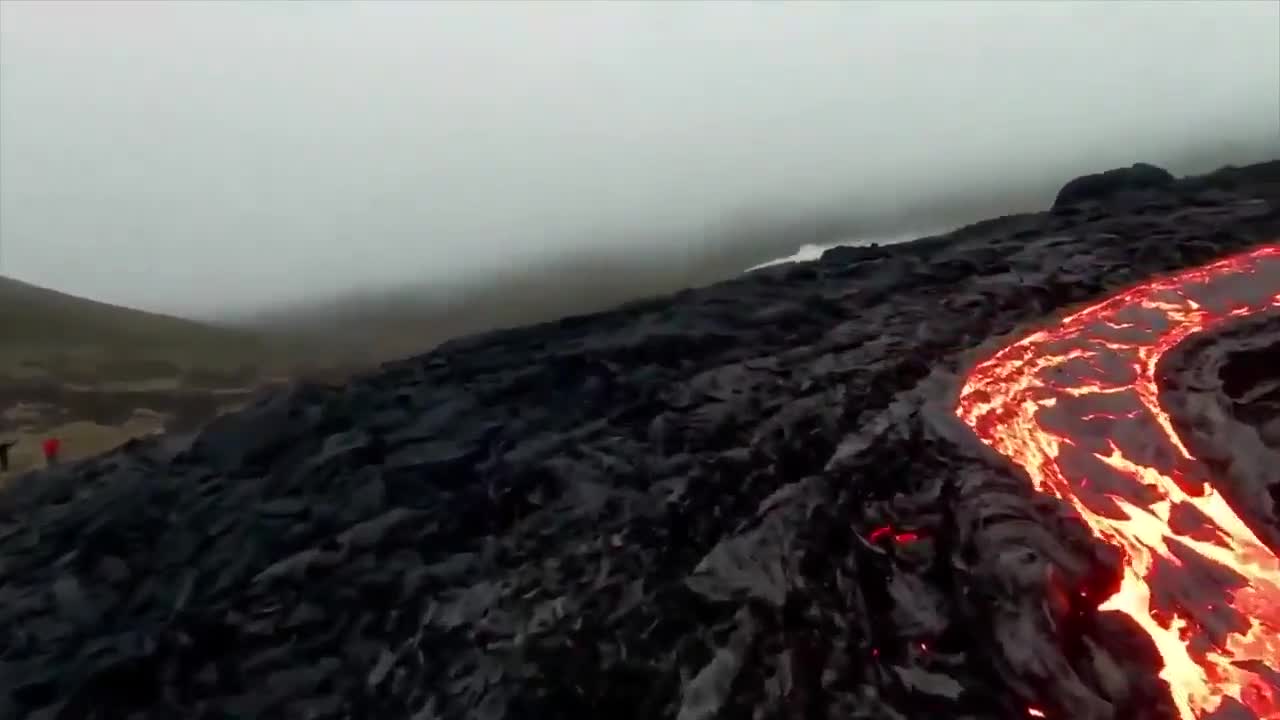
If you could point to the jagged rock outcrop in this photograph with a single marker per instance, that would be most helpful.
(744, 501)
(1099, 186)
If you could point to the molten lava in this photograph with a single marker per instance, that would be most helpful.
(1076, 405)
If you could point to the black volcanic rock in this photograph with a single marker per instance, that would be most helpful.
(1099, 186)
(744, 501)
(1222, 390)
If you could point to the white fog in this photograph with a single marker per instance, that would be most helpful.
(207, 158)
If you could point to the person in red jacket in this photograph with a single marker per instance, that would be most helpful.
(50, 446)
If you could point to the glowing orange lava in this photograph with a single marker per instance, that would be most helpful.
(1076, 406)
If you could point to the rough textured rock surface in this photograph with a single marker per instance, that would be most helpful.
(1223, 392)
(744, 501)
(1099, 186)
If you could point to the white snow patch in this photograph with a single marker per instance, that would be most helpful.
(810, 252)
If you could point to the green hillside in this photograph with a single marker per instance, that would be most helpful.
(45, 333)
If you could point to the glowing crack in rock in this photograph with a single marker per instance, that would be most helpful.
(1076, 405)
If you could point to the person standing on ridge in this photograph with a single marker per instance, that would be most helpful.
(4, 454)
(50, 446)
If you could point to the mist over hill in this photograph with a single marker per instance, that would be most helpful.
(400, 167)
(409, 318)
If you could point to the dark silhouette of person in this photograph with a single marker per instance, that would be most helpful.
(4, 454)
(50, 446)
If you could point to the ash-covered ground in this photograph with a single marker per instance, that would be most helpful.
(745, 501)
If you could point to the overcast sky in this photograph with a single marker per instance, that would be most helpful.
(194, 157)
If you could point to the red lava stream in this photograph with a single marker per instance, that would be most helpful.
(1076, 405)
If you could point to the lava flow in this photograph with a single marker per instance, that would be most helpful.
(1076, 405)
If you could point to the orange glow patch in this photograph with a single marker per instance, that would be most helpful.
(1076, 405)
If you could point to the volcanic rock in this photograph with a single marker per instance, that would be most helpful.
(1222, 390)
(750, 500)
(1100, 186)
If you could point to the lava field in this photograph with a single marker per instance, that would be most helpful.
(1028, 469)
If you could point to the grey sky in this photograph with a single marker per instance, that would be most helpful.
(196, 157)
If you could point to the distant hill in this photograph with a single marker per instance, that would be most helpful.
(95, 375)
(408, 319)
(49, 334)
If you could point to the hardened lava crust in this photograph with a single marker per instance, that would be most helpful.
(747, 501)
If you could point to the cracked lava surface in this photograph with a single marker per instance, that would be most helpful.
(1076, 405)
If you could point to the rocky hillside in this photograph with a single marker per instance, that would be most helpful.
(743, 501)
